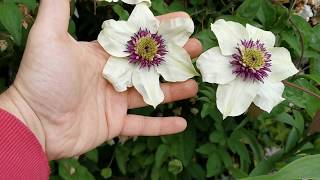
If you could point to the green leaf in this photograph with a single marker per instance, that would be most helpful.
(121, 12)
(304, 27)
(237, 173)
(239, 148)
(31, 4)
(225, 157)
(216, 137)
(106, 173)
(155, 173)
(248, 138)
(214, 165)
(267, 165)
(161, 155)
(122, 156)
(286, 118)
(207, 39)
(92, 155)
(266, 13)
(71, 169)
(314, 66)
(281, 20)
(72, 28)
(11, 19)
(196, 171)
(160, 6)
(303, 168)
(249, 8)
(313, 77)
(292, 140)
(299, 122)
(138, 148)
(186, 145)
(206, 149)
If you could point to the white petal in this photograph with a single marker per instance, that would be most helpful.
(137, 2)
(269, 95)
(267, 37)
(229, 34)
(281, 64)
(234, 99)
(214, 67)
(146, 82)
(177, 30)
(177, 66)
(118, 71)
(115, 35)
(144, 18)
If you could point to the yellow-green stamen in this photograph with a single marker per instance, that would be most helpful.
(253, 58)
(147, 48)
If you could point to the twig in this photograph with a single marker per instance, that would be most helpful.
(301, 88)
(95, 7)
(198, 12)
(292, 4)
(111, 160)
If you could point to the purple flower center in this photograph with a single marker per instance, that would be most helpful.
(251, 60)
(146, 49)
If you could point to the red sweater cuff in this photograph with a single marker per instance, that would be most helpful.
(21, 155)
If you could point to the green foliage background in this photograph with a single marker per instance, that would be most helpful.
(249, 145)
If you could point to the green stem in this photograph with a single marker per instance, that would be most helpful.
(301, 89)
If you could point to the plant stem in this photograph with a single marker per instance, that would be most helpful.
(301, 88)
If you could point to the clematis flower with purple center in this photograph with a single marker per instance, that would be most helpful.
(247, 67)
(143, 48)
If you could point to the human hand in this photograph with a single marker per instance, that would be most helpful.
(61, 95)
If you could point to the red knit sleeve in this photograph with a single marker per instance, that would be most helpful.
(21, 155)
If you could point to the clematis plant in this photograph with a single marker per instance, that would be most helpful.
(143, 48)
(130, 1)
(247, 67)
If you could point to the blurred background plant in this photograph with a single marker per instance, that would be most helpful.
(254, 144)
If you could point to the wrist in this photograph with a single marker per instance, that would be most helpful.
(12, 102)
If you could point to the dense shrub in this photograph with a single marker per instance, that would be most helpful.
(257, 143)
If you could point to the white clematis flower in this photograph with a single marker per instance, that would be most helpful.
(130, 1)
(142, 49)
(247, 67)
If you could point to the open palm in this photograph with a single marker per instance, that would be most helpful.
(61, 81)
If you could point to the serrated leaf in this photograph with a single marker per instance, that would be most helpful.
(186, 145)
(196, 171)
(122, 156)
(121, 12)
(216, 137)
(214, 165)
(249, 8)
(266, 13)
(161, 154)
(303, 168)
(292, 139)
(206, 149)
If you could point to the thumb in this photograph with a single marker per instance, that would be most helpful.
(53, 16)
